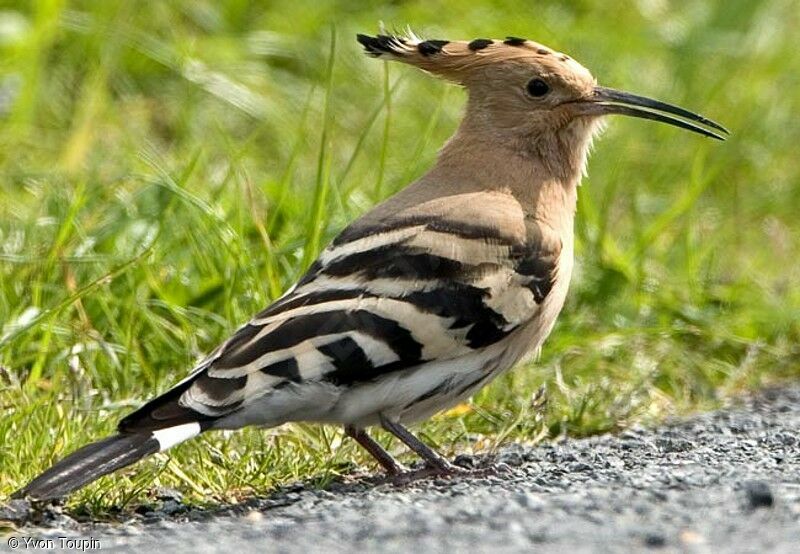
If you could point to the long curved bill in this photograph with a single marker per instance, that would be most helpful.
(610, 101)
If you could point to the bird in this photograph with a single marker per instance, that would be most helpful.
(426, 298)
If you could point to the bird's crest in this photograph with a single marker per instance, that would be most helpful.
(460, 60)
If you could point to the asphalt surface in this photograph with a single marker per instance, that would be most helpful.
(727, 481)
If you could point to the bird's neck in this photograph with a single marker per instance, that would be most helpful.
(542, 174)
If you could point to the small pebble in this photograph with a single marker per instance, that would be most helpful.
(254, 516)
(759, 495)
(510, 458)
(15, 511)
(465, 461)
(655, 540)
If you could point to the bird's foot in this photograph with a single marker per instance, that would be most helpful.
(446, 471)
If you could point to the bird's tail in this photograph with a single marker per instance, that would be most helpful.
(158, 425)
(100, 458)
(87, 464)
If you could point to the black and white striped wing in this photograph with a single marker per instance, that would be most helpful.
(376, 304)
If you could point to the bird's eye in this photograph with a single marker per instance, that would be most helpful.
(537, 88)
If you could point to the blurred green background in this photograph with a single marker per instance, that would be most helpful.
(168, 168)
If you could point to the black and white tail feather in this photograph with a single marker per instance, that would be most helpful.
(88, 464)
(139, 436)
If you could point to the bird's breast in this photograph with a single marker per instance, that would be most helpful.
(540, 318)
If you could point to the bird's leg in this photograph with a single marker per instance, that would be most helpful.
(392, 466)
(433, 458)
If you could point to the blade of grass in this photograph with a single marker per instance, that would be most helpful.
(317, 220)
(387, 123)
(699, 181)
(9, 338)
(283, 183)
(373, 116)
(424, 140)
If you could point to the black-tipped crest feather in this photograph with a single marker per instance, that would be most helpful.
(381, 44)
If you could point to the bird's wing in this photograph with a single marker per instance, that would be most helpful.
(381, 298)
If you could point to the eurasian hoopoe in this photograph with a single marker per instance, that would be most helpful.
(428, 297)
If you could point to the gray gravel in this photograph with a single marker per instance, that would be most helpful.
(724, 481)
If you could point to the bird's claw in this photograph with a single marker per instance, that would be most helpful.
(446, 471)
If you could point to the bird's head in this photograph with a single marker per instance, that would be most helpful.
(520, 89)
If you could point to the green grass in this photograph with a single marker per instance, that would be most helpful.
(168, 168)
